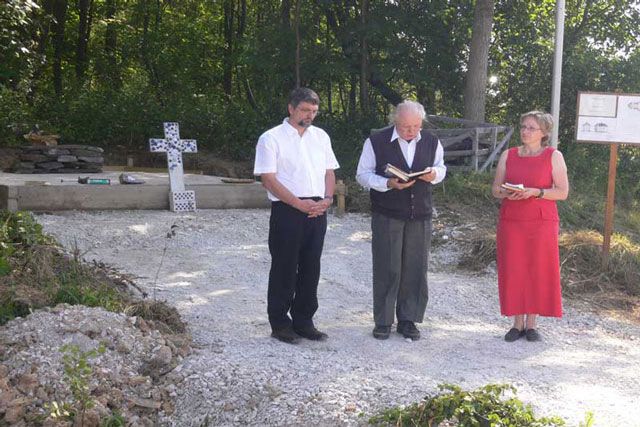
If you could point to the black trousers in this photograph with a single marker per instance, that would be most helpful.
(295, 244)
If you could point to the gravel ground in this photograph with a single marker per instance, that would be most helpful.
(215, 272)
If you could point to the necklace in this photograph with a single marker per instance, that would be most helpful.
(525, 153)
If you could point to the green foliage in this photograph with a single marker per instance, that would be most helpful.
(15, 116)
(589, 420)
(19, 232)
(61, 411)
(115, 420)
(78, 374)
(16, 45)
(223, 69)
(485, 406)
(35, 273)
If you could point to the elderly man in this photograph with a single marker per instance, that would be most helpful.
(296, 165)
(401, 217)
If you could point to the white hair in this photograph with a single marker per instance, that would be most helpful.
(408, 107)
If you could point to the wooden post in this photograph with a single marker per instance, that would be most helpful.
(611, 189)
(474, 156)
(494, 137)
(341, 193)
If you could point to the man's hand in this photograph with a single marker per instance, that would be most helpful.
(312, 208)
(320, 208)
(306, 205)
(397, 184)
(428, 177)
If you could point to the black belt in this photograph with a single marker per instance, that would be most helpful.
(315, 199)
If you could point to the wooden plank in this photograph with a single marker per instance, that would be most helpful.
(446, 142)
(494, 138)
(468, 123)
(474, 156)
(466, 153)
(497, 150)
(450, 132)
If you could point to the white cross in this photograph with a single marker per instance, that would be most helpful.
(179, 200)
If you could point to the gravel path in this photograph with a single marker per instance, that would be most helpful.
(215, 272)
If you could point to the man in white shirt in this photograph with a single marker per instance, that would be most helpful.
(296, 164)
(401, 217)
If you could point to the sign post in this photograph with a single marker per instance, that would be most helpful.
(608, 216)
(612, 119)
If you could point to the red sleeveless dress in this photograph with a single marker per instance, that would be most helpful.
(527, 242)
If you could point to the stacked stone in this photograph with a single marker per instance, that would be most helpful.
(60, 159)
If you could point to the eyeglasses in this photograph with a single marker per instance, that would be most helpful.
(314, 112)
(529, 128)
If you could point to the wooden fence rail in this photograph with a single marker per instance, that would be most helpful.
(471, 146)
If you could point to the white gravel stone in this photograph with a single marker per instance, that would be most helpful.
(215, 272)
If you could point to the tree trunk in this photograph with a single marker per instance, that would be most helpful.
(373, 78)
(60, 16)
(297, 25)
(285, 14)
(364, 58)
(285, 55)
(329, 80)
(144, 46)
(227, 56)
(42, 39)
(352, 95)
(111, 41)
(84, 28)
(476, 80)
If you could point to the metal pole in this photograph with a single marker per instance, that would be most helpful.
(557, 72)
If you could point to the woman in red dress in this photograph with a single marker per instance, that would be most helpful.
(527, 235)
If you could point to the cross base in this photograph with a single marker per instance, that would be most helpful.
(182, 201)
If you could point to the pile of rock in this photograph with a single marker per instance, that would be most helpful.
(59, 159)
(132, 377)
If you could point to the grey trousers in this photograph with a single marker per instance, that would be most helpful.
(400, 259)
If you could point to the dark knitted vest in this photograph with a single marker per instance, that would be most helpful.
(413, 202)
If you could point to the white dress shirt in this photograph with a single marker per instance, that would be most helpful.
(366, 173)
(299, 162)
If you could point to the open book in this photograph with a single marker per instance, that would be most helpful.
(513, 187)
(391, 170)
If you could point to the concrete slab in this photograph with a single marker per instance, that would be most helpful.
(48, 192)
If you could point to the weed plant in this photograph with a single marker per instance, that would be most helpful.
(490, 405)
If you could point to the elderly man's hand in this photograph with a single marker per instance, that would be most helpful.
(397, 184)
(428, 177)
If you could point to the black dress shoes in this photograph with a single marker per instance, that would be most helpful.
(311, 333)
(381, 332)
(408, 330)
(286, 334)
(514, 334)
(532, 335)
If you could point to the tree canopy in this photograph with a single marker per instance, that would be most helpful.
(108, 72)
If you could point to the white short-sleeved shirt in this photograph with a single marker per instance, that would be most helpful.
(299, 162)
